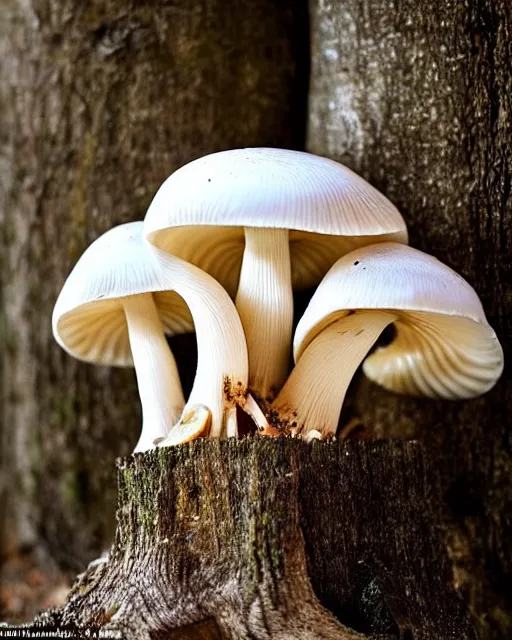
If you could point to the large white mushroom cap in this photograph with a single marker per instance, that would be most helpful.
(89, 321)
(200, 211)
(444, 346)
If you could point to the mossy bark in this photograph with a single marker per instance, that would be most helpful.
(100, 102)
(233, 539)
(417, 97)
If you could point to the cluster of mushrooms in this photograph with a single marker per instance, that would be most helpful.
(253, 225)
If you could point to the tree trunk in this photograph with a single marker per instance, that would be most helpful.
(417, 97)
(218, 538)
(100, 102)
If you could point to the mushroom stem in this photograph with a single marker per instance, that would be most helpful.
(313, 395)
(265, 304)
(222, 364)
(158, 380)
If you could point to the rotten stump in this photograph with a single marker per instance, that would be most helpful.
(273, 538)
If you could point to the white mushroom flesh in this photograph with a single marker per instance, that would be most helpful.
(437, 356)
(222, 366)
(194, 423)
(313, 395)
(265, 304)
(158, 379)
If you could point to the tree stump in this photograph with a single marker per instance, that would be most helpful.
(274, 538)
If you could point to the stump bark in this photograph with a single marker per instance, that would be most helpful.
(263, 538)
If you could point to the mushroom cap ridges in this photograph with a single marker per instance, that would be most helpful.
(88, 318)
(443, 347)
(438, 356)
(272, 188)
(200, 211)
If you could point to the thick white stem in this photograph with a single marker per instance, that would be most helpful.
(265, 304)
(222, 363)
(159, 383)
(313, 395)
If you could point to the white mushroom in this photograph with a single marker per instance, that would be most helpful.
(113, 309)
(222, 364)
(444, 347)
(230, 214)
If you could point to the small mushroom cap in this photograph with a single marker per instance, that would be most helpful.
(89, 320)
(195, 422)
(444, 346)
(200, 211)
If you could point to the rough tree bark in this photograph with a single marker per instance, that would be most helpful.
(417, 96)
(99, 102)
(216, 539)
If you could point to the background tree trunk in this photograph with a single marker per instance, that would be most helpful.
(100, 102)
(417, 97)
